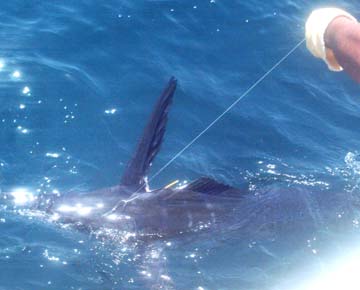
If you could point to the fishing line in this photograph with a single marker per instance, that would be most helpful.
(253, 86)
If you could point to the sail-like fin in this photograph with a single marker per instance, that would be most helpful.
(210, 186)
(150, 142)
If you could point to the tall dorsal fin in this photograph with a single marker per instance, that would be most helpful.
(150, 142)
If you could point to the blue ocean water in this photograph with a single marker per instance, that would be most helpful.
(78, 80)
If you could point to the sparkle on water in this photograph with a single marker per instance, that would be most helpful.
(16, 74)
(52, 155)
(78, 209)
(22, 196)
(110, 111)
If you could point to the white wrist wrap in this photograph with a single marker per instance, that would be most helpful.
(315, 29)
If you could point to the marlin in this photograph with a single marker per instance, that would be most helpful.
(274, 214)
(163, 212)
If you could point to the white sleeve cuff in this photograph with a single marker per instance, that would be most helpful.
(315, 29)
